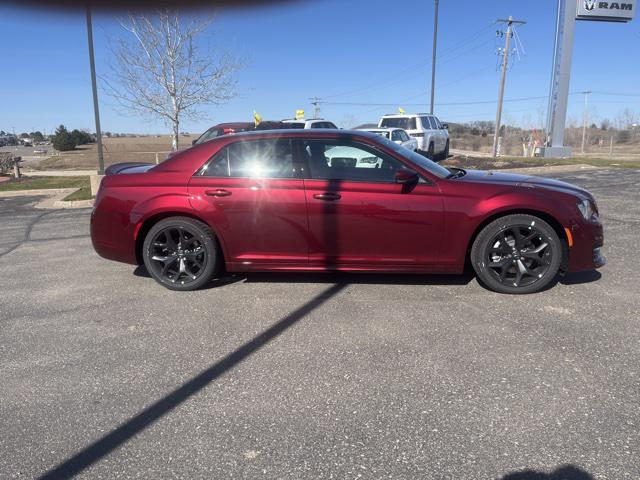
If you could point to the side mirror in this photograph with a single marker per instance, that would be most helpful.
(445, 126)
(193, 142)
(407, 177)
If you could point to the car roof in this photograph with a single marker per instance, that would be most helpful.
(406, 115)
(232, 125)
(297, 132)
(304, 120)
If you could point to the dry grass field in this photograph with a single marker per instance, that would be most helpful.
(116, 150)
(597, 145)
(466, 146)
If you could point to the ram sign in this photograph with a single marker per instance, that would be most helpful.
(622, 11)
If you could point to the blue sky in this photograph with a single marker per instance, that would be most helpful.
(372, 51)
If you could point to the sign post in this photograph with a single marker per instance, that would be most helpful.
(593, 10)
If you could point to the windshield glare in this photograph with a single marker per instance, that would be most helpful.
(423, 162)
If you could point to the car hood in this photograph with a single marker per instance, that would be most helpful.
(524, 181)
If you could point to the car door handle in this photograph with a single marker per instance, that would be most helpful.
(220, 192)
(327, 196)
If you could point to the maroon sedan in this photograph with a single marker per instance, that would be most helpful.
(327, 200)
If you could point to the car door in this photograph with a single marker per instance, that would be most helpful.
(252, 193)
(360, 218)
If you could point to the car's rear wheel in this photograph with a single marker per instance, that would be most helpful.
(180, 253)
(445, 154)
(430, 154)
(517, 254)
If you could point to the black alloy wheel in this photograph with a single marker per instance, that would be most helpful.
(180, 253)
(517, 254)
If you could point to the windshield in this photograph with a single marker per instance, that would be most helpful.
(423, 162)
(206, 136)
(382, 134)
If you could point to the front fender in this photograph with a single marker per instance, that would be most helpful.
(465, 214)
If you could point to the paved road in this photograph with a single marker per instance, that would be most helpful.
(107, 375)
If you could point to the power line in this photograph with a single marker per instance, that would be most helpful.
(617, 94)
(442, 104)
(444, 58)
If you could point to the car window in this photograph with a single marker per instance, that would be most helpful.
(382, 133)
(271, 158)
(208, 135)
(426, 124)
(295, 124)
(406, 123)
(417, 159)
(395, 135)
(323, 125)
(349, 161)
(403, 136)
(438, 124)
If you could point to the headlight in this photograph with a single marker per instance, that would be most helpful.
(586, 209)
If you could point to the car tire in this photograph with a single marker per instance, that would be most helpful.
(181, 253)
(445, 153)
(517, 254)
(430, 154)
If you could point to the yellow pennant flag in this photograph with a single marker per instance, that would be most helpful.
(299, 114)
(256, 118)
(401, 110)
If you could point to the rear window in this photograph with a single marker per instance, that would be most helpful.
(323, 125)
(382, 134)
(295, 125)
(399, 122)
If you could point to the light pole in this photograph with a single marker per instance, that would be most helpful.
(96, 110)
(433, 56)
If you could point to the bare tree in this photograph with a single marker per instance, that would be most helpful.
(159, 71)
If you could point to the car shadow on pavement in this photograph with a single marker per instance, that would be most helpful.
(331, 278)
(566, 472)
(123, 433)
(580, 277)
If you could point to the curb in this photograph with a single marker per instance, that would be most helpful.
(55, 200)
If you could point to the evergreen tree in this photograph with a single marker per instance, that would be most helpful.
(62, 140)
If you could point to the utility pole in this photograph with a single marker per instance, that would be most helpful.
(585, 117)
(505, 62)
(433, 55)
(315, 101)
(96, 111)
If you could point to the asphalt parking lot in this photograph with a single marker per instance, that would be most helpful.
(105, 374)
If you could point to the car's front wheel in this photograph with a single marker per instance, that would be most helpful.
(180, 253)
(517, 254)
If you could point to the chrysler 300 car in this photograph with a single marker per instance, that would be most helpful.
(280, 201)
